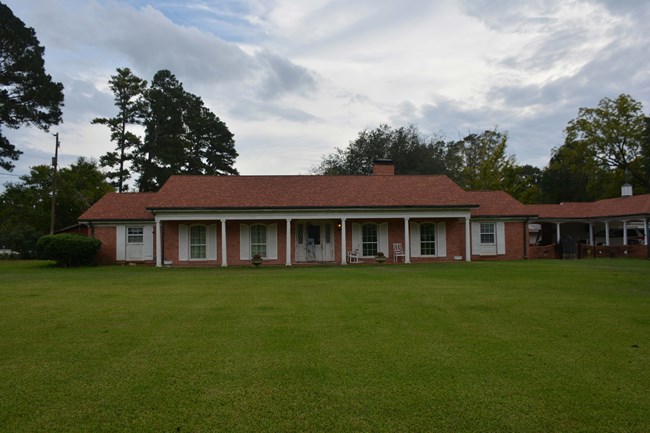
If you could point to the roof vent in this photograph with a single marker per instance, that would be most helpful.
(383, 167)
(626, 190)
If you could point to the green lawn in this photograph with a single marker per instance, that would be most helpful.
(535, 346)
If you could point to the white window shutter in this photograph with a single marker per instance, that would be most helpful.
(272, 242)
(120, 243)
(211, 239)
(244, 242)
(148, 243)
(476, 239)
(501, 238)
(356, 237)
(416, 248)
(441, 239)
(383, 239)
(182, 242)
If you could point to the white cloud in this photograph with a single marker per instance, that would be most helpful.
(293, 80)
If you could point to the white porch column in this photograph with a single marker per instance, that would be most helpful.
(607, 233)
(591, 234)
(468, 244)
(557, 227)
(645, 230)
(344, 248)
(624, 232)
(407, 241)
(158, 244)
(224, 245)
(288, 262)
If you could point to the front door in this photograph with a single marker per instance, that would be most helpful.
(135, 243)
(314, 242)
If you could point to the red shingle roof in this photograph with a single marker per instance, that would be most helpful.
(225, 192)
(497, 203)
(611, 207)
(124, 206)
(259, 192)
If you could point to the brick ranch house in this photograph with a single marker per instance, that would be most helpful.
(288, 220)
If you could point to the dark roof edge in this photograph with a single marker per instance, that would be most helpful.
(461, 206)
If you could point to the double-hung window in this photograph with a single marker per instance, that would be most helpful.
(369, 239)
(488, 234)
(428, 239)
(258, 240)
(198, 242)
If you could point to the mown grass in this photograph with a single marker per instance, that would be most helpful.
(521, 346)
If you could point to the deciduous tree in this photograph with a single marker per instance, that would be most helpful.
(25, 205)
(407, 147)
(613, 132)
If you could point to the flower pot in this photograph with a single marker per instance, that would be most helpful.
(380, 259)
(256, 262)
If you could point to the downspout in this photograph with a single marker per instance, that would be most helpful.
(92, 230)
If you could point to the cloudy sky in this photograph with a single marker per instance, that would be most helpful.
(295, 79)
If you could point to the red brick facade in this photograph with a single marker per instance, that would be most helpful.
(107, 235)
(455, 241)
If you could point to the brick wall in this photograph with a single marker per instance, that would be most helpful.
(455, 230)
(515, 238)
(106, 254)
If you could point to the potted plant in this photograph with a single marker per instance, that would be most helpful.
(256, 260)
(380, 257)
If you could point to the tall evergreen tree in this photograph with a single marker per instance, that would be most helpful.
(28, 96)
(128, 92)
(182, 136)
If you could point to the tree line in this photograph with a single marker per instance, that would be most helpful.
(604, 147)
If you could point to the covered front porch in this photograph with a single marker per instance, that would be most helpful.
(214, 238)
(566, 238)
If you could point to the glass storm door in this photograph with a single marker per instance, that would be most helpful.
(314, 242)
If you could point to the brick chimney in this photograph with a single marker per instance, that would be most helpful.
(383, 167)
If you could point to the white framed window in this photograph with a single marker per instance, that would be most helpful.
(198, 242)
(488, 234)
(427, 239)
(258, 240)
(135, 235)
(369, 240)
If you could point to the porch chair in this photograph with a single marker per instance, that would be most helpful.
(353, 256)
(398, 252)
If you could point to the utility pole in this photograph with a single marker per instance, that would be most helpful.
(55, 161)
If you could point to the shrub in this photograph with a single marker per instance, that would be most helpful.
(67, 249)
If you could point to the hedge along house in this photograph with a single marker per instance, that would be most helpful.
(287, 220)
